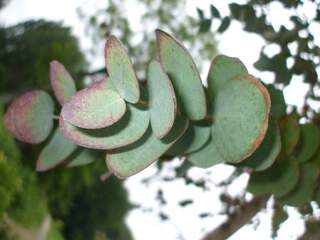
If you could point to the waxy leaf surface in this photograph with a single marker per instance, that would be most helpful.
(129, 160)
(184, 75)
(55, 152)
(241, 111)
(82, 157)
(129, 129)
(267, 152)
(222, 70)
(30, 116)
(120, 70)
(193, 139)
(162, 100)
(94, 107)
(61, 81)
(206, 157)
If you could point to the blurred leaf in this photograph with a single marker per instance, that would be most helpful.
(30, 116)
(61, 81)
(184, 75)
(278, 104)
(163, 105)
(214, 11)
(267, 152)
(205, 25)
(200, 13)
(224, 24)
(82, 157)
(290, 133)
(241, 113)
(55, 152)
(120, 70)
(186, 202)
(308, 143)
(279, 179)
(303, 191)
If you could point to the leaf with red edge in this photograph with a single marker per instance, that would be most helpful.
(120, 70)
(61, 81)
(241, 111)
(30, 116)
(94, 107)
(183, 73)
(129, 129)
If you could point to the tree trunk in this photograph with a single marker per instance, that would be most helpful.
(242, 215)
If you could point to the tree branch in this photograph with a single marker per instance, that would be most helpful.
(242, 215)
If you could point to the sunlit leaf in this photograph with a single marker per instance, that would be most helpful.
(279, 179)
(222, 70)
(267, 152)
(82, 157)
(206, 157)
(55, 152)
(61, 81)
(30, 116)
(241, 112)
(303, 191)
(129, 129)
(94, 107)
(129, 160)
(120, 70)
(184, 75)
(162, 100)
(308, 143)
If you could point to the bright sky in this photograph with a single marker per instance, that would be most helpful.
(184, 223)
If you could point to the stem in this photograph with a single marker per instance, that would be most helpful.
(105, 176)
(55, 117)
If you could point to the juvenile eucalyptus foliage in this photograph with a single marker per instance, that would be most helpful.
(231, 121)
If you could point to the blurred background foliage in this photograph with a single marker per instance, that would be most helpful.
(74, 203)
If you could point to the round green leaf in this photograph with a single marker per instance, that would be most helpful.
(184, 75)
(61, 81)
(94, 107)
(30, 116)
(290, 133)
(222, 70)
(56, 151)
(193, 139)
(162, 100)
(267, 152)
(206, 157)
(308, 143)
(279, 179)
(278, 104)
(120, 70)
(82, 157)
(241, 110)
(129, 160)
(129, 129)
(304, 190)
